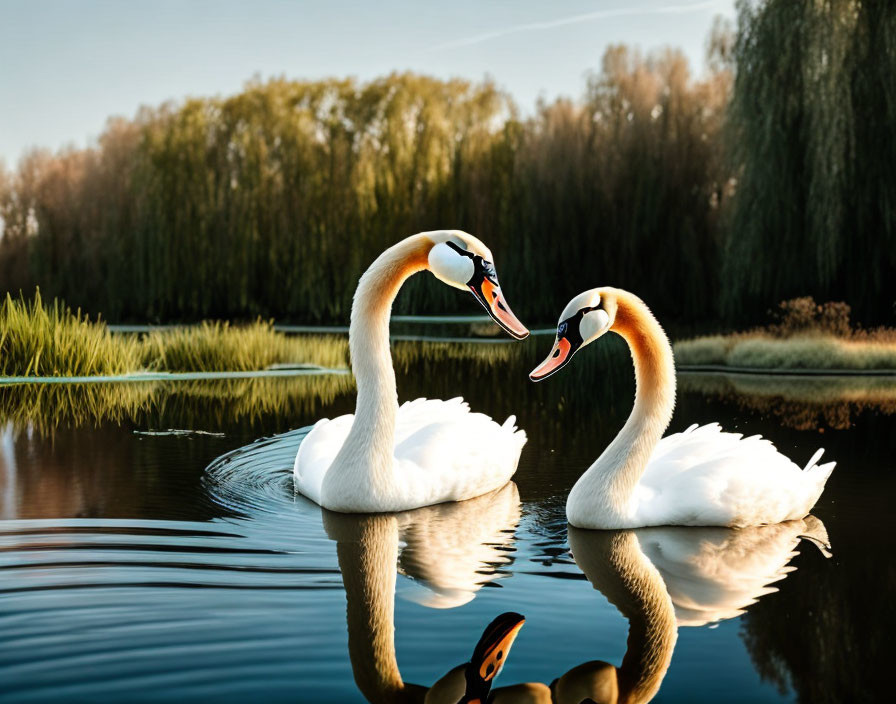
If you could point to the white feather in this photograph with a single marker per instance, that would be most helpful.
(707, 477)
(443, 452)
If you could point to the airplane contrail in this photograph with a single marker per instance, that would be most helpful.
(575, 19)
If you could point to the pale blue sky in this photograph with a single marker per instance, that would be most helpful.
(67, 65)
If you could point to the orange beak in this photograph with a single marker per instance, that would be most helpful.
(490, 655)
(489, 295)
(558, 358)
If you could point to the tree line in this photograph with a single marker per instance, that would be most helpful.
(713, 198)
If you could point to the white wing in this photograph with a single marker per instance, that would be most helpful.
(443, 452)
(704, 476)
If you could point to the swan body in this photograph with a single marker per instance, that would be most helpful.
(429, 465)
(701, 477)
(707, 477)
(386, 458)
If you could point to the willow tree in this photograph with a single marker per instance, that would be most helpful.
(812, 130)
(271, 201)
(623, 188)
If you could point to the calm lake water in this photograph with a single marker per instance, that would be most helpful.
(136, 565)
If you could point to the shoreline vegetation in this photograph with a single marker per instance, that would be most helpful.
(805, 336)
(51, 340)
(40, 339)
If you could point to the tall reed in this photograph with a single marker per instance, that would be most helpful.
(39, 340)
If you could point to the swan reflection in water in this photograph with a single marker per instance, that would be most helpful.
(663, 578)
(450, 549)
(659, 579)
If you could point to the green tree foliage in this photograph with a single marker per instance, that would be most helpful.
(708, 197)
(272, 202)
(624, 189)
(812, 121)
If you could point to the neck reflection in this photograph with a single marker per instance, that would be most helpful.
(450, 550)
(660, 579)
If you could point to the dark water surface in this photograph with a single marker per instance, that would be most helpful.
(131, 571)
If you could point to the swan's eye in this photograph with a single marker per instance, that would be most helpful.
(489, 270)
(561, 329)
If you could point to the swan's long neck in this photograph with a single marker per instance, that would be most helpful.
(364, 463)
(605, 490)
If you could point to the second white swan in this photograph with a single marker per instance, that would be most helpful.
(388, 458)
(701, 477)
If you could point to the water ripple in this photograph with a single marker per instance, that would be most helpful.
(148, 610)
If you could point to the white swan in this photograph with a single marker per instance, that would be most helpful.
(385, 458)
(701, 477)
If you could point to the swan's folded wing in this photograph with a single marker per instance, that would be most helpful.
(444, 452)
(705, 476)
(422, 412)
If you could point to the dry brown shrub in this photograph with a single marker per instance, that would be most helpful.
(803, 316)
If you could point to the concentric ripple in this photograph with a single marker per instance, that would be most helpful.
(257, 479)
(148, 610)
(253, 598)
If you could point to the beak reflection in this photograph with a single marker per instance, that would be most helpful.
(490, 655)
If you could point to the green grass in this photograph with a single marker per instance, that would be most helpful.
(810, 351)
(52, 340)
(39, 340)
(215, 346)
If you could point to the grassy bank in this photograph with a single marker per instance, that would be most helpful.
(52, 340)
(40, 340)
(806, 335)
(761, 351)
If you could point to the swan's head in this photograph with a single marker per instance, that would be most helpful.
(462, 261)
(585, 318)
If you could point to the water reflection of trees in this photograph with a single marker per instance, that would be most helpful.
(182, 404)
(804, 403)
(105, 473)
(835, 647)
